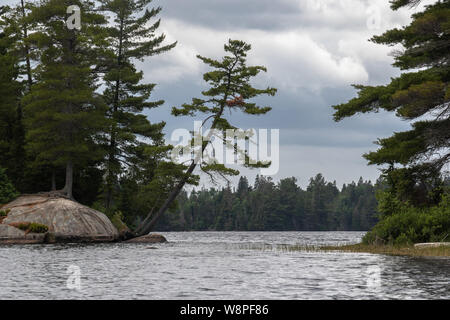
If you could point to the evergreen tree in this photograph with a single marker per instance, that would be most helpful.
(64, 115)
(7, 190)
(131, 37)
(413, 160)
(12, 154)
(277, 207)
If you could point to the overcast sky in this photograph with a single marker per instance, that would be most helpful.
(313, 49)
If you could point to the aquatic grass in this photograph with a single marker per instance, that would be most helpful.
(277, 247)
(394, 250)
(406, 250)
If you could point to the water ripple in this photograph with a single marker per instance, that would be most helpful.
(220, 265)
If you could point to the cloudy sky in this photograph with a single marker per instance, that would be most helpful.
(314, 51)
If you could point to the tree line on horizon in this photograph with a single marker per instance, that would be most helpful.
(281, 206)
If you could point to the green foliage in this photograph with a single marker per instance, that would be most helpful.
(388, 203)
(412, 225)
(63, 114)
(30, 227)
(146, 184)
(131, 36)
(268, 206)
(117, 221)
(413, 160)
(7, 190)
(4, 213)
(11, 89)
(37, 228)
(69, 121)
(21, 225)
(397, 4)
(229, 89)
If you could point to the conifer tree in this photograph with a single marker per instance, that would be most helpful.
(131, 37)
(11, 91)
(7, 190)
(413, 161)
(230, 89)
(64, 115)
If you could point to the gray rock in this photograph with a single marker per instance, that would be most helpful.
(431, 245)
(150, 238)
(67, 220)
(9, 234)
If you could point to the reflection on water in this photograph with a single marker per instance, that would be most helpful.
(219, 265)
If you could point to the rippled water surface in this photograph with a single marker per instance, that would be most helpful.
(220, 265)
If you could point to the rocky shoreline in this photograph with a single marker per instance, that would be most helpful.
(53, 218)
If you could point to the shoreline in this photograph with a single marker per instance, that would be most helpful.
(406, 250)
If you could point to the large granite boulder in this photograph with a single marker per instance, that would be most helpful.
(67, 221)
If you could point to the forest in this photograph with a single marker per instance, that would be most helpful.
(73, 120)
(281, 206)
(73, 106)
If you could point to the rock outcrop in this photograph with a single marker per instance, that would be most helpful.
(150, 238)
(67, 221)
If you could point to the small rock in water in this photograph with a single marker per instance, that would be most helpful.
(150, 238)
(431, 245)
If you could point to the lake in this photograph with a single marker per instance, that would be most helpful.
(219, 265)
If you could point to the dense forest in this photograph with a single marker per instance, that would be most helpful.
(73, 120)
(282, 206)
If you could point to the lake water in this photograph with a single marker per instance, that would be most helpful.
(219, 265)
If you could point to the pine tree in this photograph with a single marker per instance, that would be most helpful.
(413, 160)
(229, 89)
(7, 190)
(131, 37)
(64, 115)
(11, 91)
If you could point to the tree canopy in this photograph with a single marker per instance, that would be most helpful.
(413, 161)
(281, 206)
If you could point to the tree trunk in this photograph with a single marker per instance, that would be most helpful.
(27, 50)
(150, 221)
(53, 180)
(68, 188)
(111, 180)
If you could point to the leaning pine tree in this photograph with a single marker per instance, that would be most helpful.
(230, 89)
(415, 160)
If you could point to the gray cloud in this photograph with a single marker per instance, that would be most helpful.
(313, 49)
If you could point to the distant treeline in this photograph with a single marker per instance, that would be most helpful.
(283, 206)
